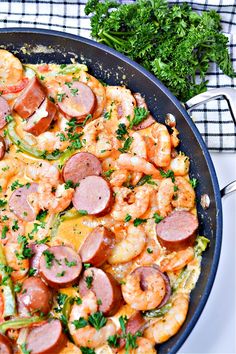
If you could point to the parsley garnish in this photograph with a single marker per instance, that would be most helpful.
(89, 281)
(146, 179)
(193, 182)
(121, 131)
(49, 257)
(3, 203)
(86, 350)
(157, 218)
(140, 113)
(15, 185)
(128, 217)
(168, 174)
(97, 320)
(70, 264)
(139, 221)
(82, 212)
(60, 97)
(108, 173)
(80, 323)
(126, 145)
(4, 231)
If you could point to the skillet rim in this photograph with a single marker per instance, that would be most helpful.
(217, 196)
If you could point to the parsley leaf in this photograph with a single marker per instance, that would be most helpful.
(140, 113)
(97, 320)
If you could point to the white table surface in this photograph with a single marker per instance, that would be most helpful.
(215, 332)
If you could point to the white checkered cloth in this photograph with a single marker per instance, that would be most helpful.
(212, 119)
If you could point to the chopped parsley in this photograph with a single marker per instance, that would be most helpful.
(121, 131)
(89, 281)
(168, 174)
(157, 218)
(193, 182)
(82, 212)
(80, 323)
(16, 185)
(70, 264)
(149, 250)
(139, 221)
(140, 113)
(126, 145)
(60, 97)
(3, 203)
(97, 320)
(49, 257)
(146, 179)
(61, 274)
(5, 229)
(128, 218)
(108, 173)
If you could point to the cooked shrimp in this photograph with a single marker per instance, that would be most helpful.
(180, 165)
(177, 260)
(138, 148)
(20, 266)
(139, 202)
(98, 140)
(88, 336)
(143, 294)
(97, 88)
(11, 70)
(9, 169)
(159, 150)
(44, 198)
(130, 247)
(119, 177)
(164, 196)
(150, 253)
(185, 195)
(50, 141)
(137, 164)
(168, 325)
(144, 345)
(43, 171)
(125, 101)
(174, 137)
(12, 226)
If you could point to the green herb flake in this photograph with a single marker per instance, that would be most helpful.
(60, 97)
(97, 320)
(157, 218)
(80, 323)
(49, 257)
(128, 218)
(193, 182)
(89, 281)
(139, 221)
(140, 114)
(82, 212)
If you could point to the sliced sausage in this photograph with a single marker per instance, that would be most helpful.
(36, 296)
(5, 345)
(168, 288)
(4, 112)
(97, 246)
(81, 165)
(105, 287)
(30, 98)
(2, 147)
(77, 101)
(134, 324)
(19, 204)
(37, 250)
(177, 231)
(94, 195)
(40, 121)
(60, 266)
(46, 339)
(147, 122)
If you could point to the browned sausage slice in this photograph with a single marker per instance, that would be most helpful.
(105, 287)
(60, 266)
(4, 112)
(39, 122)
(30, 98)
(2, 147)
(168, 288)
(78, 100)
(46, 339)
(81, 165)
(35, 295)
(134, 324)
(177, 231)
(37, 250)
(93, 195)
(19, 203)
(142, 104)
(5, 345)
(97, 246)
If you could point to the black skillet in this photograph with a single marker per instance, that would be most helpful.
(114, 68)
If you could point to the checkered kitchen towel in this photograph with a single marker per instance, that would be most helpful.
(213, 119)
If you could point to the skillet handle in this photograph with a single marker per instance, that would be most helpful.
(230, 188)
(228, 93)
